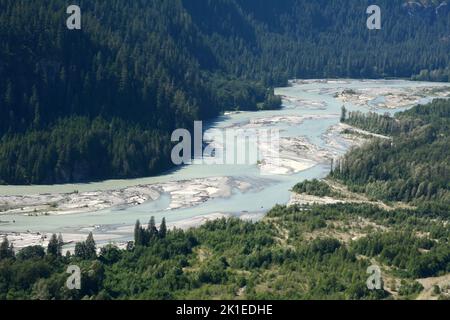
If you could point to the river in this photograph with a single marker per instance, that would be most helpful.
(316, 102)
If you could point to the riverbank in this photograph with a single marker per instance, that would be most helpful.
(183, 194)
(118, 236)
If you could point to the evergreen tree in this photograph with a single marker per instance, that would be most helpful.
(53, 246)
(6, 249)
(138, 233)
(343, 114)
(86, 250)
(81, 250)
(91, 249)
(60, 244)
(152, 230)
(163, 229)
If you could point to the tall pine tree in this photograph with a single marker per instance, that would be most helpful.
(163, 229)
(52, 247)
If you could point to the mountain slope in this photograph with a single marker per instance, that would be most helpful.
(102, 102)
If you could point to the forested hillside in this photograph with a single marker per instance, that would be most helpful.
(102, 102)
(294, 253)
(414, 167)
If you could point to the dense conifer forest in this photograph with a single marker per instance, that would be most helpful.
(101, 102)
(413, 167)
